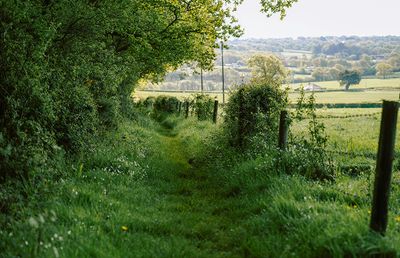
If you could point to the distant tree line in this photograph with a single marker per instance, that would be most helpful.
(309, 59)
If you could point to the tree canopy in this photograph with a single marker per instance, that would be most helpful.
(268, 69)
(348, 78)
(383, 69)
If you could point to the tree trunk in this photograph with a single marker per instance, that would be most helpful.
(347, 86)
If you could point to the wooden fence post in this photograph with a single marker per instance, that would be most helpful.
(283, 130)
(187, 109)
(215, 113)
(180, 107)
(387, 137)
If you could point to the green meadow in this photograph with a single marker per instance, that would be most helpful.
(368, 91)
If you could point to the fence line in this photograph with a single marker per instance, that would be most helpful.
(353, 153)
(350, 116)
(343, 105)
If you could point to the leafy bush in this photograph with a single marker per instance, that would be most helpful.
(165, 104)
(254, 110)
(202, 106)
(77, 118)
(307, 153)
(149, 102)
(252, 122)
(108, 111)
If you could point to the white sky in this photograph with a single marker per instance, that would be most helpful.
(316, 18)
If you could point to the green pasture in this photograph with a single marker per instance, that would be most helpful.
(369, 91)
(359, 96)
(302, 76)
(366, 96)
(356, 132)
(364, 84)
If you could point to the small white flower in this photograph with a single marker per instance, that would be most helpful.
(33, 222)
(56, 254)
(41, 219)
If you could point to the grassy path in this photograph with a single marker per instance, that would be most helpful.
(170, 214)
(195, 206)
(141, 192)
(136, 195)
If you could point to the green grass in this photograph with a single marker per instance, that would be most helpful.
(350, 97)
(350, 134)
(148, 191)
(364, 84)
(369, 91)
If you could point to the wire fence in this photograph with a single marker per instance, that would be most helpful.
(349, 116)
(365, 154)
(353, 153)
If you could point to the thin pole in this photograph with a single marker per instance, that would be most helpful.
(201, 78)
(223, 73)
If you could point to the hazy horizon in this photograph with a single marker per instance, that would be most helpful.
(326, 36)
(315, 18)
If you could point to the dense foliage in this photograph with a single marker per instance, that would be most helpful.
(202, 106)
(348, 78)
(253, 110)
(165, 104)
(69, 67)
(267, 69)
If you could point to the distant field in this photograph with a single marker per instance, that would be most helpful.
(365, 83)
(297, 53)
(368, 96)
(351, 134)
(369, 91)
(302, 76)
